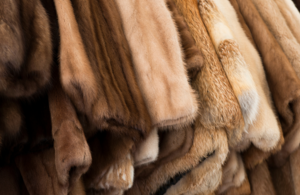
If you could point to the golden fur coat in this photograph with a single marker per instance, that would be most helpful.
(159, 66)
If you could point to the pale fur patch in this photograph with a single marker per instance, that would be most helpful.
(147, 151)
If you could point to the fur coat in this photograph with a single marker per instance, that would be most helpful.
(276, 23)
(263, 132)
(218, 105)
(97, 71)
(72, 153)
(233, 62)
(159, 65)
(234, 173)
(112, 162)
(284, 88)
(291, 16)
(25, 48)
(244, 189)
(40, 176)
(197, 172)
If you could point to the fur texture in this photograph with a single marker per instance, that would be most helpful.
(201, 165)
(112, 163)
(282, 79)
(244, 189)
(25, 49)
(264, 132)
(291, 16)
(72, 153)
(261, 181)
(158, 64)
(231, 58)
(10, 180)
(147, 150)
(100, 78)
(218, 105)
(234, 173)
(276, 23)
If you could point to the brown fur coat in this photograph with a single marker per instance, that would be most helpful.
(25, 48)
(218, 105)
(282, 79)
(96, 70)
(72, 153)
(159, 66)
(276, 23)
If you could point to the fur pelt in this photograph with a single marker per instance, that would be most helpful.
(218, 105)
(233, 173)
(197, 172)
(39, 173)
(264, 131)
(291, 16)
(159, 66)
(295, 170)
(112, 162)
(147, 150)
(244, 189)
(233, 62)
(192, 55)
(10, 180)
(172, 145)
(105, 192)
(25, 48)
(276, 23)
(72, 153)
(282, 79)
(96, 68)
(261, 181)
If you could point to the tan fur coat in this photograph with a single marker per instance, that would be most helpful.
(218, 106)
(159, 65)
(25, 48)
(97, 71)
(263, 132)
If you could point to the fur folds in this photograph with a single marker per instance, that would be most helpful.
(218, 105)
(263, 132)
(282, 79)
(197, 172)
(72, 153)
(97, 71)
(234, 173)
(291, 16)
(271, 15)
(231, 58)
(158, 64)
(25, 48)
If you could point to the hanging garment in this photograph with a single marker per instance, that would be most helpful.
(218, 105)
(11, 120)
(291, 15)
(112, 162)
(284, 89)
(198, 171)
(96, 72)
(264, 132)
(72, 153)
(233, 62)
(158, 62)
(147, 150)
(271, 15)
(244, 189)
(25, 48)
(233, 173)
(261, 181)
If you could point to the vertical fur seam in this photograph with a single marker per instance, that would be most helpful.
(218, 105)
(158, 64)
(25, 48)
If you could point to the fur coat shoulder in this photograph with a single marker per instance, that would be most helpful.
(159, 66)
(218, 105)
(25, 48)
